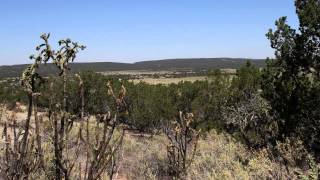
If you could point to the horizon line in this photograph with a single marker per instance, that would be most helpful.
(83, 62)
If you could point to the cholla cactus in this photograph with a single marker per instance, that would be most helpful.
(81, 87)
(21, 165)
(27, 78)
(26, 154)
(182, 144)
(66, 54)
(102, 150)
(61, 58)
(30, 74)
(120, 99)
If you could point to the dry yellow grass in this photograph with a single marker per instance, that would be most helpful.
(166, 81)
(219, 156)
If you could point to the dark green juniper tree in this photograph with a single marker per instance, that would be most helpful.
(292, 82)
(247, 80)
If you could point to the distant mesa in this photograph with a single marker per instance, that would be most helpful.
(193, 64)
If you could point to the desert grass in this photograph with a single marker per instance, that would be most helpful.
(218, 156)
(143, 156)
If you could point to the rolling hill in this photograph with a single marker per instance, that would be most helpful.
(195, 64)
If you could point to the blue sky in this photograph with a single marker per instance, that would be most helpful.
(135, 30)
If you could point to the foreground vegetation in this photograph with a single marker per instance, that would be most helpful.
(259, 124)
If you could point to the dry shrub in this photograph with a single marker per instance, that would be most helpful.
(293, 152)
(19, 158)
(144, 158)
(297, 159)
(220, 156)
(252, 121)
(261, 166)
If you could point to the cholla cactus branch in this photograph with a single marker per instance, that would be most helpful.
(28, 81)
(62, 58)
(182, 144)
(66, 54)
(102, 152)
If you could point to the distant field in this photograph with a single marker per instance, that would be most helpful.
(135, 72)
(167, 65)
(148, 72)
(154, 77)
(169, 80)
